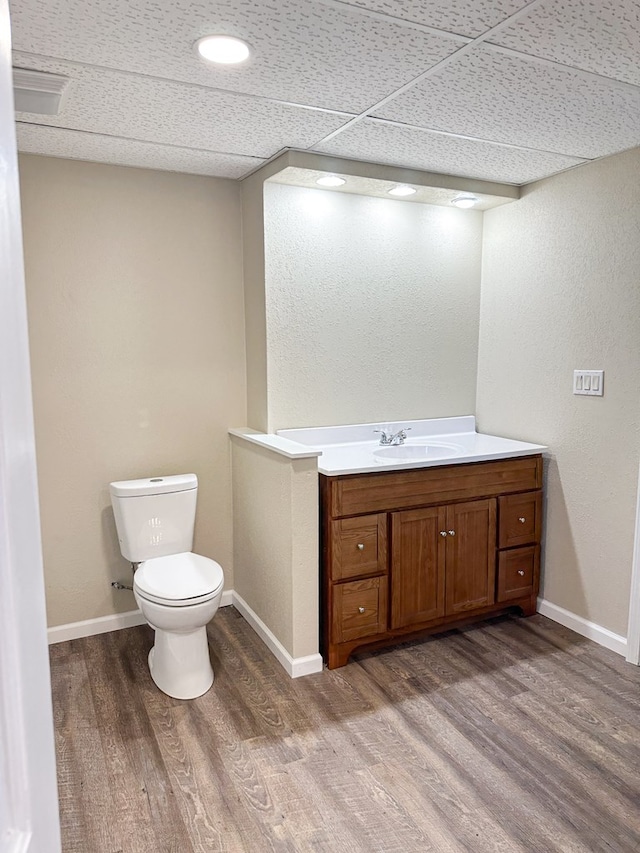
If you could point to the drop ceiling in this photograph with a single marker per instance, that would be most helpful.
(497, 90)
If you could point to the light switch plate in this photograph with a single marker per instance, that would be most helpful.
(588, 382)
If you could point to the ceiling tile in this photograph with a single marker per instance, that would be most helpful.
(303, 52)
(456, 16)
(602, 36)
(505, 99)
(115, 104)
(75, 145)
(380, 142)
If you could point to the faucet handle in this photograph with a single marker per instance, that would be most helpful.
(385, 437)
(399, 437)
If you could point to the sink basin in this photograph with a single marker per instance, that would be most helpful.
(415, 452)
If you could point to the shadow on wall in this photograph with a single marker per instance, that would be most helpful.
(118, 568)
(564, 558)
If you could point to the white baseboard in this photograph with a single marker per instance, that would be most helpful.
(104, 624)
(602, 636)
(89, 627)
(295, 667)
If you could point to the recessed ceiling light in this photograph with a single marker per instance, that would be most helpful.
(465, 201)
(223, 50)
(402, 189)
(331, 181)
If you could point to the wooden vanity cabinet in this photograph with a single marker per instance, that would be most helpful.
(421, 550)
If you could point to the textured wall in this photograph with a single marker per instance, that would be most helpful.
(372, 308)
(134, 283)
(275, 515)
(254, 301)
(560, 290)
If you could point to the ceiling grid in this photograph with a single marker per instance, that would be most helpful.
(499, 90)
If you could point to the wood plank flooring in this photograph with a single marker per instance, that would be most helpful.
(514, 735)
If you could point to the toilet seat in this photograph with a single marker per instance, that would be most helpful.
(178, 580)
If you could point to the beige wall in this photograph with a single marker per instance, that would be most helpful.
(561, 290)
(372, 308)
(275, 503)
(134, 283)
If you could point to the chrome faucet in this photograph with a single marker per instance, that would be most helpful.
(393, 438)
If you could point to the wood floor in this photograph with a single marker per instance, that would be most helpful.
(516, 735)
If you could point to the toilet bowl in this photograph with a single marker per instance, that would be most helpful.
(177, 591)
(178, 596)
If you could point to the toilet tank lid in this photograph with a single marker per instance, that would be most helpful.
(153, 486)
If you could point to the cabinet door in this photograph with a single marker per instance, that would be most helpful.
(417, 565)
(470, 560)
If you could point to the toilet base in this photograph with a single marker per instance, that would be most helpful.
(179, 663)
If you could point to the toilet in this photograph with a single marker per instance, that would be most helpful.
(177, 591)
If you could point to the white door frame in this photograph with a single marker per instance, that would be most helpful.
(29, 821)
(633, 632)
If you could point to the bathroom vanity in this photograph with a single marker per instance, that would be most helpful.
(442, 531)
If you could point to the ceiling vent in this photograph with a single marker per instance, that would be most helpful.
(38, 91)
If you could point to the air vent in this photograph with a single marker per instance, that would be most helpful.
(38, 91)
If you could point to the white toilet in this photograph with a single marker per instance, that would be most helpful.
(177, 591)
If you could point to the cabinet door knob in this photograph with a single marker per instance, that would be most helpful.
(452, 533)
(521, 572)
(443, 533)
(522, 519)
(360, 546)
(360, 609)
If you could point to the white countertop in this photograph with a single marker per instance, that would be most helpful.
(447, 441)
(277, 444)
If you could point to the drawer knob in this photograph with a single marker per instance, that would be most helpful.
(521, 572)
(360, 546)
(522, 519)
(443, 533)
(360, 609)
(452, 533)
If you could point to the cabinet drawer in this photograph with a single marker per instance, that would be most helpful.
(358, 547)
(520, 519)
(518, 572)
(369, 493)
(359, 609)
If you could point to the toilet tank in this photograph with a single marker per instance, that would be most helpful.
(155, 516)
